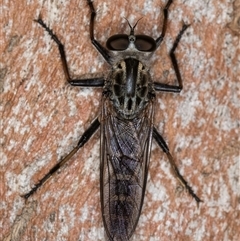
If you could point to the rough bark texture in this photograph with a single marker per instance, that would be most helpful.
(43, 117)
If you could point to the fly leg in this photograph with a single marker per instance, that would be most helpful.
(93, 82)
(95, 43)
(167, 87)
(176, 172)
(164, 26)
(83, 140)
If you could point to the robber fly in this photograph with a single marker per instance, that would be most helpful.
(126, 123)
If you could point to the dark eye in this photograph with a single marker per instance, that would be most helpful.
(145, 43)
(118, 42)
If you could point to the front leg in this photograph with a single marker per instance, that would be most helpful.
(97, 45)
(164, 26)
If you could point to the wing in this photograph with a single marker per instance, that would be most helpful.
(125, 153)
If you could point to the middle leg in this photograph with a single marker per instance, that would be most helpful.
(93, 82)
(167, 87)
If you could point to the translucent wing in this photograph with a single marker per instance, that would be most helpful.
(125, 152)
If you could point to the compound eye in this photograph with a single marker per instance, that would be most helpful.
(118, 42)
(145, 43)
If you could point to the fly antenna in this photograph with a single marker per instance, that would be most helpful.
(132, 28)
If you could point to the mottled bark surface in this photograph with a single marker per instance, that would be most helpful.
(43, 118)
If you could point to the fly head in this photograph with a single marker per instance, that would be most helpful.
(130, 83)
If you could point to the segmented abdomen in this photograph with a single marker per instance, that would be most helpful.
(125, 146)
